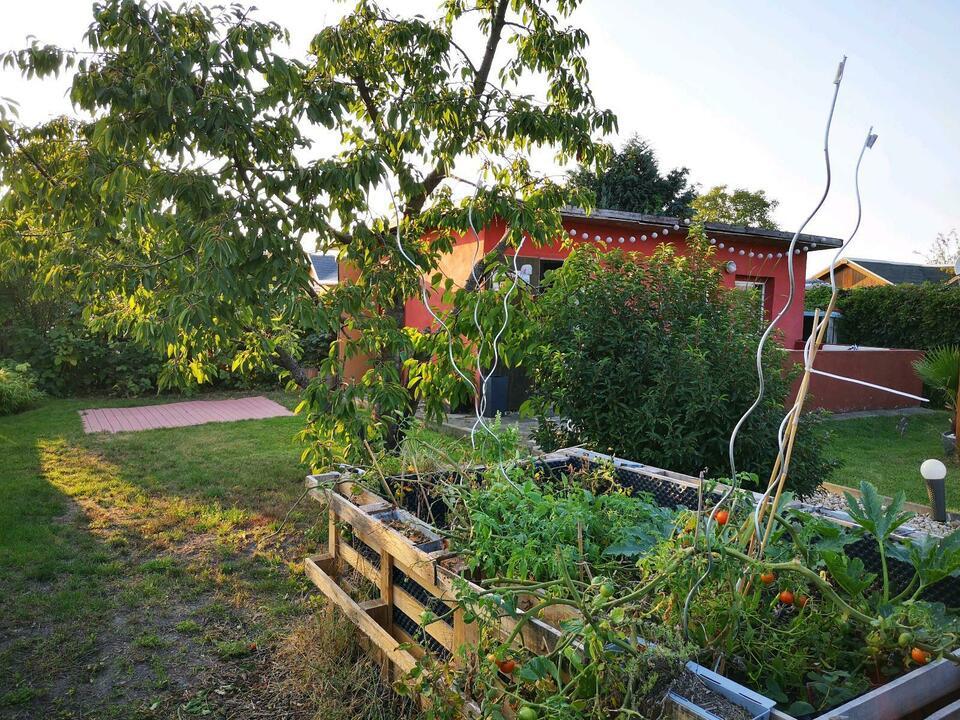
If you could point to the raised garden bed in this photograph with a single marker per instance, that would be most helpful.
(417, 578)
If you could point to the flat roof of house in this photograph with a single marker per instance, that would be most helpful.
(619, 217)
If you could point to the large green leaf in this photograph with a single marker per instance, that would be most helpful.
(870, 514)
(849, 573)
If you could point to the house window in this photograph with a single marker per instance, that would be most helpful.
(534, 270)
(759, 289)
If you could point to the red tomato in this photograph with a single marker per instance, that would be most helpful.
(786, 597)
(722, 517)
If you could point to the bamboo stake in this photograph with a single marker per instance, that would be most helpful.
(792, 427)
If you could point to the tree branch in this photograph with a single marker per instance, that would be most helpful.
(496, 30)
(436, 176)
(367, 98)
(478, 271)
(290, 364)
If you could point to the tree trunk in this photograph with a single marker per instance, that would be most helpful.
(289, 363)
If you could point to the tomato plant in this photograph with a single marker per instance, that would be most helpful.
(644, 587)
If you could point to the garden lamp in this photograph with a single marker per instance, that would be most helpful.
(933, 473)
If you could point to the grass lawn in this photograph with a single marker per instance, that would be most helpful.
(871, 449)
(141, 576)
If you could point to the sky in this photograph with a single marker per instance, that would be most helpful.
(736, 91)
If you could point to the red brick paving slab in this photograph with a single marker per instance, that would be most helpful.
(181, 414)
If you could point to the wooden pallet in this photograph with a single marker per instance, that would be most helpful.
(404, 574)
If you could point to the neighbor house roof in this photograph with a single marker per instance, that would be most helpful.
(619, 217)
(897, 273)
(325, 268)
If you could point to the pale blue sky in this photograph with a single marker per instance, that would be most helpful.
(736, 91)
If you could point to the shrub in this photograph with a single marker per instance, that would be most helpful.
(18, 390)
(918, 317)
(552, 434)
(653, 359)
(70, 359)
(940, 369)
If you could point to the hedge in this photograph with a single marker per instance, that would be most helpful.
(918, 317)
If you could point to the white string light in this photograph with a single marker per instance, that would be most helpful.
(743, 252)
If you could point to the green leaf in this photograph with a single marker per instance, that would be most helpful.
(848, 572)
(800, 708)
(868, 511)
(538, 668)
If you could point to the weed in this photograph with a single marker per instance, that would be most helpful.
(149, 640)
(187, 627)
(232, 649)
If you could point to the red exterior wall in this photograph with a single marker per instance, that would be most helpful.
(890, 368)
(770, 270)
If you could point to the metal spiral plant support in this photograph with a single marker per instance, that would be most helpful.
(811, 346)
(759, 356)
(481, 402)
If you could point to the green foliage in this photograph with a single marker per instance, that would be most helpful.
(817, 297)
(176, 207)
(653, 359)
(18, 387)
(917, 317)
(940, 369)
(632, 182)
(553, 434)
(496, 442)
(535, 538)
(533, 528)
(740, 207)
(71, 360)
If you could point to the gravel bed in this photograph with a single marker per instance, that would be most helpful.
(824, 500)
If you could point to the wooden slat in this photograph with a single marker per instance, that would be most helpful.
(464, 634)
(420, 565)
(410, 606)
(386, 585)
(535, 635)
(357, 494)
(331, 530)
(385, 642)
(358, 561)
(377, 609)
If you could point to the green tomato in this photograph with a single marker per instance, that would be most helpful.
(905, 639)
(527, 713)
(606, 590)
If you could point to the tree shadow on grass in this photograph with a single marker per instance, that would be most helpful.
(92, 621)
(146, 578)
